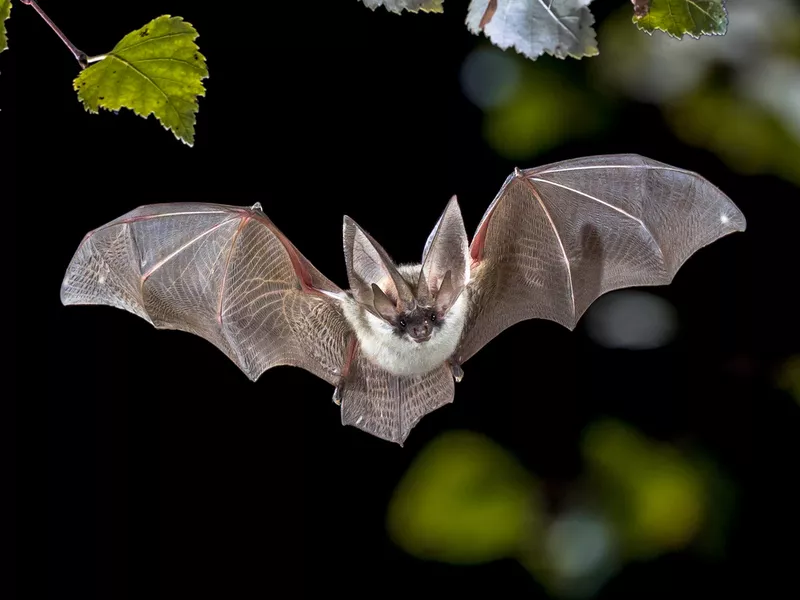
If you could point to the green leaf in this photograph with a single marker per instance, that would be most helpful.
(659, 494)
(748, 137)
(529, 122)
(464, 500)
(157, 69)
(398, 6)
(560, 28)
(679, 17)
(5, 10)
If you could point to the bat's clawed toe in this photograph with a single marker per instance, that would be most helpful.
(458, 372)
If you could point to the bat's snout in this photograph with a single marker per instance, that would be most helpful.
(420, 333)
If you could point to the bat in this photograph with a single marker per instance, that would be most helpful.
(553, 240)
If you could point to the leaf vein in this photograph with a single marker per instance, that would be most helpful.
(180, 60)
(557, 20)
(153, 83)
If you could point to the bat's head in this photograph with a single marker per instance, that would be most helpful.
(414, 300)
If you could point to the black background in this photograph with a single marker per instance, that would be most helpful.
(166, 472)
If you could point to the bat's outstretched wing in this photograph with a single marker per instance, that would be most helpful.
(229, 275)
(557, 237)
(224, 273)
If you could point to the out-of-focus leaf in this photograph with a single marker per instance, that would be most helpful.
(398, 6)
(743, 134)
(5, 10)
(560, 28)
(776, 87)
(157, 70)
(658, 496)
(463, 500)
(545, 109)
(789, 377)
(661, 68)
(749, 117)
(685, 17)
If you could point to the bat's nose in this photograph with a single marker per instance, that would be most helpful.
(421, 332)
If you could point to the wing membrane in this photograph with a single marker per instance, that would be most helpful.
(221, 272)
(557, 237)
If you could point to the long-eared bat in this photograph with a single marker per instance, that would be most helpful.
(552, 241)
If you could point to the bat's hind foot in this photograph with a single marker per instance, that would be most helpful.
(457, 371)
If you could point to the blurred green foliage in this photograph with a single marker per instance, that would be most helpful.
(467, 500)
(750, 139)
(789, 377)
(682, 17)
(655, 494)
(736, 95)
(545, 108)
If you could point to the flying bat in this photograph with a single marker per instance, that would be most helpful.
(552, 241)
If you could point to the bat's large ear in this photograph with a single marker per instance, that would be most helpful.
(446, 251)
(367, 264)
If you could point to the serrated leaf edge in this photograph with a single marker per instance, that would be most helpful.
(637, 21)
(2, 24)
(590, 24)
(403, 10)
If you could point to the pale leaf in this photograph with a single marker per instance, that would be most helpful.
(560, 28)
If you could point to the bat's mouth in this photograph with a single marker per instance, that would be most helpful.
(419, 340)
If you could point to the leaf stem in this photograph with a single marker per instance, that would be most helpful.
(79, 55)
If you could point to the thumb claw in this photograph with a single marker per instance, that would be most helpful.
(458, 372)
(337, 396)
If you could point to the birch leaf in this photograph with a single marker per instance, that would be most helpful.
(157, 70)
(5, 9)
(685, 17)
(560, 28)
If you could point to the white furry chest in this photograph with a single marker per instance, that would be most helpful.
(398, 354)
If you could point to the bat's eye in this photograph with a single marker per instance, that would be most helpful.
(402, 323)
(433, 317)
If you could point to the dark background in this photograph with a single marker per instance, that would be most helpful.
(166, 472)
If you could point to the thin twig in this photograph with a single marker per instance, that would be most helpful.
(79, 55)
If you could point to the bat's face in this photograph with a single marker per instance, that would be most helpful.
(417, 319)
(418, 325)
